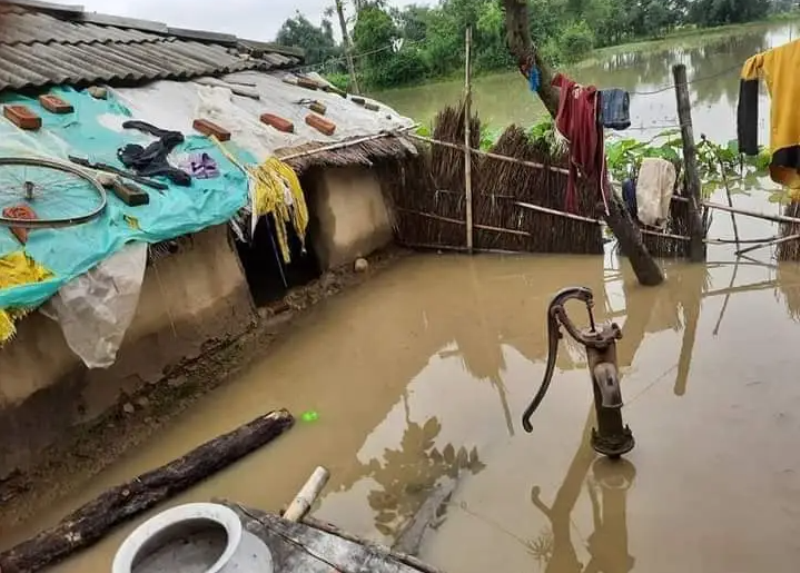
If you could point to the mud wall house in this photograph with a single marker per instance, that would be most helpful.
(104, 308)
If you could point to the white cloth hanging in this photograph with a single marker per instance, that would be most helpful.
(654, 189)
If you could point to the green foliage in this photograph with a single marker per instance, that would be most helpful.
(317, 41)
(397, 46)
(718, 164)
(577, 40)
(717, 12)
(340, 80)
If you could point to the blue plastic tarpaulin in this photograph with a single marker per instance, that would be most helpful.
(94, 131)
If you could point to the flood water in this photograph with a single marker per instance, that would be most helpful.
(713, 64)
(422, 374)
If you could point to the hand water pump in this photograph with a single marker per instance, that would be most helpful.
(611, 438)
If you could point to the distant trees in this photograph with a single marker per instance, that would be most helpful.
(396, 46)
(317, 41)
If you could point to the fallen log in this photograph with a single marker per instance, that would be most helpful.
(91, 522)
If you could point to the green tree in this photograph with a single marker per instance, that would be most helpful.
(317, 41)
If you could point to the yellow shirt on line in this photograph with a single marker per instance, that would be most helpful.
(780, 68)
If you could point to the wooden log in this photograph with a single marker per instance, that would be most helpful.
(303, 501)
(697, 249)
(92, 521)
(629, 236)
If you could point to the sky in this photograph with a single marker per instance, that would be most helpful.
(249, 19)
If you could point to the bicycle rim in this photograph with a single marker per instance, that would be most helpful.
(59, 194)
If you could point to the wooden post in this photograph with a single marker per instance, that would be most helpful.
(468, 138)
(348, 47)
(691, 176)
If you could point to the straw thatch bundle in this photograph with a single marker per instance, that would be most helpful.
(501, 185)
(447, 165)
(428, 195)
(364, 152)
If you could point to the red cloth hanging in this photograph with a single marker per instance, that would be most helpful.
(577, 121)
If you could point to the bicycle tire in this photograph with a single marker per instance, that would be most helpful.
(55, 222)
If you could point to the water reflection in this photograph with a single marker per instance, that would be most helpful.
(607, 488)
(409, 474)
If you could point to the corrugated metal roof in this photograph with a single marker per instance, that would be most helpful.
(40, 48)
(26, 27)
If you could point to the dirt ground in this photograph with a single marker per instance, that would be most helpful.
(92, 447)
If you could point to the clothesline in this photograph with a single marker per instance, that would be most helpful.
(669, 87)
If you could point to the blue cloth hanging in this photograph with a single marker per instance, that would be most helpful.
(534, 79)
(615, 109)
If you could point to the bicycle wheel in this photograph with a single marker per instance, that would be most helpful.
(59, 195)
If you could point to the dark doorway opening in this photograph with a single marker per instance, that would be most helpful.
(267, 275)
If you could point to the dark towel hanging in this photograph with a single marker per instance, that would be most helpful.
(615, 109)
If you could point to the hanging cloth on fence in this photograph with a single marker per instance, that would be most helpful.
(654, 189)
(779, 67)
(277, 190)
(615, 109)
(577, 121)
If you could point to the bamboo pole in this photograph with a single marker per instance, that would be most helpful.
(691, 175)
(771, 243)
(459, 222)
(754, 214)
(303, 501)
(556, 213)
(349, 143)
(489, 154)
(468, 137)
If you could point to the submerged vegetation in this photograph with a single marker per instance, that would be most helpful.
(398, 46)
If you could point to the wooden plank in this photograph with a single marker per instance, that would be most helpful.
(300, 548)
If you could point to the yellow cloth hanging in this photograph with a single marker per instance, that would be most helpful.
(272, 179)
(17, 269)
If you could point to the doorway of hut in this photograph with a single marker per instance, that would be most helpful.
(268, 276)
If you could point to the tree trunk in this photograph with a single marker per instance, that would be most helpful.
(618, 219)
(93, 521)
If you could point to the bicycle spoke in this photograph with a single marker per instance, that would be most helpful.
(59, 194)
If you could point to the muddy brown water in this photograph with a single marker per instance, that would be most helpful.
(422, 373)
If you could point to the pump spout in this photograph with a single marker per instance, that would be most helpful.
(606, 382)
